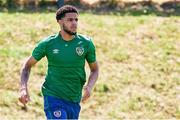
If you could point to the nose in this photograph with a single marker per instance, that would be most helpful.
(74, 21)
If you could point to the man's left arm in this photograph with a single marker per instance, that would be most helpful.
(91, 81)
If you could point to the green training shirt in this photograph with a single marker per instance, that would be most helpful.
(66, 60)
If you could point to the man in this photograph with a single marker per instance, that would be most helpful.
(66, 53)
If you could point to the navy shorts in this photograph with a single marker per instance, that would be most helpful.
(56, 108)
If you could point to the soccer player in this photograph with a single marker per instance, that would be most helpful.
(66, 53)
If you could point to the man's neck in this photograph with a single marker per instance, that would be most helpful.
(66, 36)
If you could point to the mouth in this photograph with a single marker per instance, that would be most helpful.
(73, 29)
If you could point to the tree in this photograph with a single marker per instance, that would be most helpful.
(60, 3)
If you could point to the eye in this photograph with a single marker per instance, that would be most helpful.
(70, 19)
(76, 19)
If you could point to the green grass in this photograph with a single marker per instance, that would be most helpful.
(139, 65)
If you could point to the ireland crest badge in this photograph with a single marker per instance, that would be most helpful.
(79, 50)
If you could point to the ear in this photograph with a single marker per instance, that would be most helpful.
(59, 22)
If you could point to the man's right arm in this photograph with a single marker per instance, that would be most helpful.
(25, 72)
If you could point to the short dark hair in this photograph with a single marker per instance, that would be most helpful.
(61, 12)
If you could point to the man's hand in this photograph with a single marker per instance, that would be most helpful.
(24, 96)
(87, 93)
(91, 81)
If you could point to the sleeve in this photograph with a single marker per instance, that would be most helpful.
(40, 50)
(91, 53)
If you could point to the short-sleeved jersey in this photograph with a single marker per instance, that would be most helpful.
(66, 60)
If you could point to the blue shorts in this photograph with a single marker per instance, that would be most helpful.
(56, 108)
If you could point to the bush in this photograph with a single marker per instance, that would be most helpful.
(8, 3)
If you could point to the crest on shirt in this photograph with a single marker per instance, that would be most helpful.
(57, 113)
(79, 50)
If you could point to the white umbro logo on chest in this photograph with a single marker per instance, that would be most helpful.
(79, 42)
(55, 51)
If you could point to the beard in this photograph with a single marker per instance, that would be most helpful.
(68, 31)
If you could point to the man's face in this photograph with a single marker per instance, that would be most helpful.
(69, 23)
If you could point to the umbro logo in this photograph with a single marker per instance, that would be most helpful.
(79, 42)
(55, 51)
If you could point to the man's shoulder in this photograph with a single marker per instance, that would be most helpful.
(84, 37)
(48, 39)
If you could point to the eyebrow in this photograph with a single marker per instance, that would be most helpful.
(72, 18)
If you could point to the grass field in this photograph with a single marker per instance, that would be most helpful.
(139, 59)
